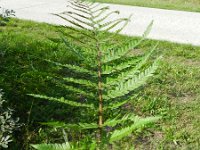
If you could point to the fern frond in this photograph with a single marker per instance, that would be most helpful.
(125, 88)
(84, 23)
(106, 16)
(117, 120)
(86, 83)
(99, 11)
(69, 35)
(82, 11)
(70, 21)
(77, 90)
(138, 123)
(111, 24)
(119, 52)
(107, 69)
(82, 45)
(79, 5)
(62, 100)
(79, 126)
(115, 54)
(115, 105)
(124, 76)
(124, 25)
(83, 32)
(72, 48)
(93, 6)
(64, 146)
(74, 68)
(76, 14)
(148, 29)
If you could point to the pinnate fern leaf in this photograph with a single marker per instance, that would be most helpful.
(114, 54)
(130, 73)
(125, 88)
(83, 82)
(113, 122)
(79, 126)
(106, 16)
(76, 90)
(139, 123)
(72, 48)
(108, 69)
(62, 100)
(74, 68)
(64, 146)
(116, 104)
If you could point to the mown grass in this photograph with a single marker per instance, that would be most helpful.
(173, 93)
(186, 5)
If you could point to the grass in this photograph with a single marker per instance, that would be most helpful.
(185, 5)
(173, 93)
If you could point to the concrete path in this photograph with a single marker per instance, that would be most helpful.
(176, 26)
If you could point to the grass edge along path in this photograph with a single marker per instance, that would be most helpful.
(182, 5)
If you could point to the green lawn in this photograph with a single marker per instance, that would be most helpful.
(173, 93)
(186, 5)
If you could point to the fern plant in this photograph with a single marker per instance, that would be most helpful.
(103, 81)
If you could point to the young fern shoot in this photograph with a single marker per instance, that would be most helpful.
(106, 76)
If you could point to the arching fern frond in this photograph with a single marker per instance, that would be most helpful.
(62, 100)
(106, 75)
(108, 69)
(76, 90)
(126, 75)
(112, 24)
(83, 82)
(139, 123)
(124, 88)
(72, 48)
(119, 52)
(106, 16)
(74, 68)
(79, 126)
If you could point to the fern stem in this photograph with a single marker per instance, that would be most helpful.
(100, 92)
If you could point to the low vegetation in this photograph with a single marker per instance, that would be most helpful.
(7, 123)
(5, 15)
(185, 5)
(173, 93)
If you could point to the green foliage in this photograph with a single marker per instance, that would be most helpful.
(5, 15)
(64, 146)
(62, 100)
(7, 124)
(138, 123)
(23, 71)
(110, 72)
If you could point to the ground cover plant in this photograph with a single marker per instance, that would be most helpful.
(173, 93)
(186, 5)
(7, 123)
(5, 15)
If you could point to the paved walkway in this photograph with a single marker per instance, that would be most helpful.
(176, 26)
